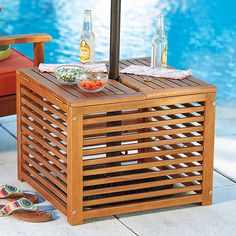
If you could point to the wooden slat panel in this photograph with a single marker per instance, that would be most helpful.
(129, 137)
(69, 94)
(38, 99)
(141, 145)
(141, 81)
(42, 122)
(110, 90)
(141, 176)
(46, 154)
(197, 81)
(142, 115)
(47, 193)
(144, 104)
(142, 195)
(48, 115)
(144, 125)
(176, 83)
(45, 182)
(41, 169)
(177, 156)
(40, 158)
(163, 83)
(137, 78)
(121, 87)
(74, 90)
(45, 144)
(141, 185)
(140, 166)
(138, 156)
(43, 88)
(48, 86)
(45, 133)
(141, 206)
(186, 84)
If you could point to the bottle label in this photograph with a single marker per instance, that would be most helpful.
(84, 52)
(164, 57)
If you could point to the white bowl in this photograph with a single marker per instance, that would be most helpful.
(92, 82)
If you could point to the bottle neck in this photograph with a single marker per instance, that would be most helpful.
(87, 27)
(160, 26)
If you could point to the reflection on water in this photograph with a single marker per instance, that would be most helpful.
(202, 34)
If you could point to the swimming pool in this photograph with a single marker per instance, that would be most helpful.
(202, 33)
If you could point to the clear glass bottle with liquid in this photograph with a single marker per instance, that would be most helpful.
(87, 41)
(159, 45)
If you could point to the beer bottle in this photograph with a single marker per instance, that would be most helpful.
(87, 41)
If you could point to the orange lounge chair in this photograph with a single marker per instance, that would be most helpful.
(17, 60)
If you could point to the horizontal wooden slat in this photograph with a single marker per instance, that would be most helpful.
(143, 125)
(139, 156)
(150, 174)
(141, 206)
(157, 143)
(143, 185)
(140, 166)
(144, 104)
(130, 197)
(143, 115)
(136, 136)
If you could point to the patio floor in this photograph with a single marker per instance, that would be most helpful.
(218, 219)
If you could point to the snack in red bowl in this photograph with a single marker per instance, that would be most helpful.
(92, 82)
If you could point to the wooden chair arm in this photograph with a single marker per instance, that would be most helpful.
(25, 38)
(37, 39)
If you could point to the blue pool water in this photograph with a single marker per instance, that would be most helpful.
(202, 33)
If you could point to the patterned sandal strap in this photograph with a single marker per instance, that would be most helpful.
(21, 204)
(6, 190)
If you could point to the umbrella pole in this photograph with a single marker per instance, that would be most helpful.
(115, 39)
(114, 64)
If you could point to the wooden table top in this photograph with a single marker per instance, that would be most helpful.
(130, 87)
(73, 96)
(160, 87)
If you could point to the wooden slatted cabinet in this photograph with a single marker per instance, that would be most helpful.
(134, 146)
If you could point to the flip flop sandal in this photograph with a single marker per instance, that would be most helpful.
(25, 210)
(12, 193)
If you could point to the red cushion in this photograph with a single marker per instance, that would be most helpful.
(8, 69)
